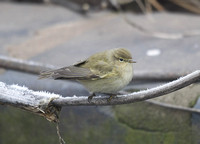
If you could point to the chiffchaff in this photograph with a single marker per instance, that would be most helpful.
(104, 72)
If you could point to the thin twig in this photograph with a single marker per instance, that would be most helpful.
(61, 140)
(157, 5)
(148, 6)
(140, 4)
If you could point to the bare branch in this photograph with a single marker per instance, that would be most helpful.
(21, 65)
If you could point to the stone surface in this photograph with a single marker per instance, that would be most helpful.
(2, 70)
(186, 97)
(151, 125)
(19, 22)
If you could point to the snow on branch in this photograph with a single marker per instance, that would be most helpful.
(49, 105)
(33, 101)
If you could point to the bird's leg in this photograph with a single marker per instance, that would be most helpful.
(90, 97)
(111, 96)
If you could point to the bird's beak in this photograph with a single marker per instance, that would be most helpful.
(131, 61)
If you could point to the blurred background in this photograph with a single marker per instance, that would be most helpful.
(163, 37)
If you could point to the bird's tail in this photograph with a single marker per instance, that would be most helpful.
(71, 72)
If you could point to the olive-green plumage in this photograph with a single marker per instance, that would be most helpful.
(105, 72)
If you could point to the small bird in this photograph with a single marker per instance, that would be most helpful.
(105, 72)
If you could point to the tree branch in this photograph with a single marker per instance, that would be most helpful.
(22, 65)
(40, 102)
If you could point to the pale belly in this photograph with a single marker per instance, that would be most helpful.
(110, 85)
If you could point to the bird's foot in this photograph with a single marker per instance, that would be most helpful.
(111, 96)
(90, 97)
(109, 99)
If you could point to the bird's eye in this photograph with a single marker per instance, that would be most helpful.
(121, 60)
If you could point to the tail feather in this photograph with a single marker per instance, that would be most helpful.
(71, 72)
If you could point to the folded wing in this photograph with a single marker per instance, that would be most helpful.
(71, 72)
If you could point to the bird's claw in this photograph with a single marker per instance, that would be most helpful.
(90, 97)
(110, 97)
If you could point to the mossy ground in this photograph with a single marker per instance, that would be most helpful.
(154, 125)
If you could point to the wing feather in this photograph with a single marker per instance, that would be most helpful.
(71, 72)
(97, 66)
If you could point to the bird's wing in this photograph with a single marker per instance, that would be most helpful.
(71, 72)
(101, 68)
(97, 66)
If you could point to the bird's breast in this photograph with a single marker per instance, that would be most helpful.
(111, 84)
(126, 74)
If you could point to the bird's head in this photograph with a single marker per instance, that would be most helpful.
(123, 56)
